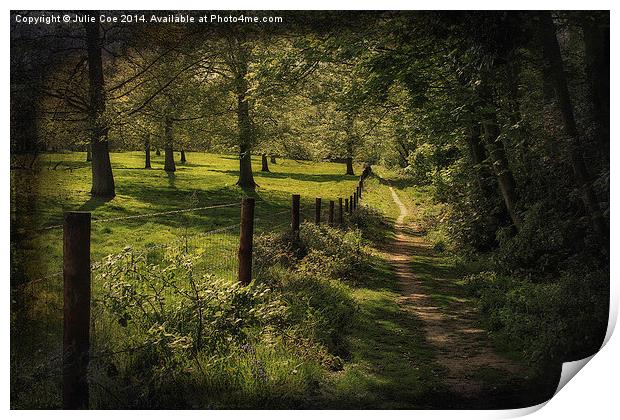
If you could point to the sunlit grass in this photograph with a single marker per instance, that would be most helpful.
(206, 179)
(388, 364)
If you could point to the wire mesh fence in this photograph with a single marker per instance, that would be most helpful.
(209, 235)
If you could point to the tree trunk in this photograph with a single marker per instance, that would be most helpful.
(89, 156)
(496, 214)
(477, 153)
(169, 165)
(147, 152)
(503, 173)
(157, 151)
(265, 165)
(349, 161)
(403, 152)
(246, 177)
(596, 40)
(273, 159)
(183, 160)
(102, 177)
(350, 141)
(556, 68)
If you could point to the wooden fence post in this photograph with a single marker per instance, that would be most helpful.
(359, 191)
(355, 201)
(245, 241)
(350, 204)
(317, 211)
(331, 213)
(346, 205)
(295, 213)
(76, 310)
(340, 214)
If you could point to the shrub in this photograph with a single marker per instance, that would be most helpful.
(542, 243)
(172, 312)
(369, 221)
(320, 309)
(319, 250)
(552, 321)
(164, 325)
(277, 248)
(308, 272)
(332, 253)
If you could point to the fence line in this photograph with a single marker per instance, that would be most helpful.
(306, 213)
(163, 213)
(135, 216)
(221, 263)
(139, 216)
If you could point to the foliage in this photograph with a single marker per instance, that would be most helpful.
(172, 314)
(550, 322)
(499, 119)
(311, 271)
(173, 311)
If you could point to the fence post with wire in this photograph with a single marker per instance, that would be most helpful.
(295, 213)
(317, 211)
(245, 241)
(84, 327)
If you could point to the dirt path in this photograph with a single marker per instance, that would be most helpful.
(450, 328)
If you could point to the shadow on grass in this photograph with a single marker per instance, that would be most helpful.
(171, 179)
(391, 364)
(398, 183)
(94, 203)
(442, 281)
(293, 175)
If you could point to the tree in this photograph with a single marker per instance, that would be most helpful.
(147, 151)
(556, 69)
(238, 62)
(102, 177)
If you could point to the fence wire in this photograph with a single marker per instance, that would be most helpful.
(37, 302)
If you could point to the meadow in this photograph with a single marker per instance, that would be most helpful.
(204, 180)
(375, 336)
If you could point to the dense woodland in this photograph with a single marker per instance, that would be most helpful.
(502, 116)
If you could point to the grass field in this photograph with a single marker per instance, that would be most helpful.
(206, 179)
(372, 377)
(387, 362)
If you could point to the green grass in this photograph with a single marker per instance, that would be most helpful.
(383, 340)
(206, 179)
(388, 364)
(61, 182)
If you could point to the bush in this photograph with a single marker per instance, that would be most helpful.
(551, 321)
(309, 272)
(544, 241)
(332, 253)
(320, 309)
(369, 221)
(164, 325)
(170, 313)
(319, 250)
(276, 249)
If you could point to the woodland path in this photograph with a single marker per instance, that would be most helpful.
(450, 328)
